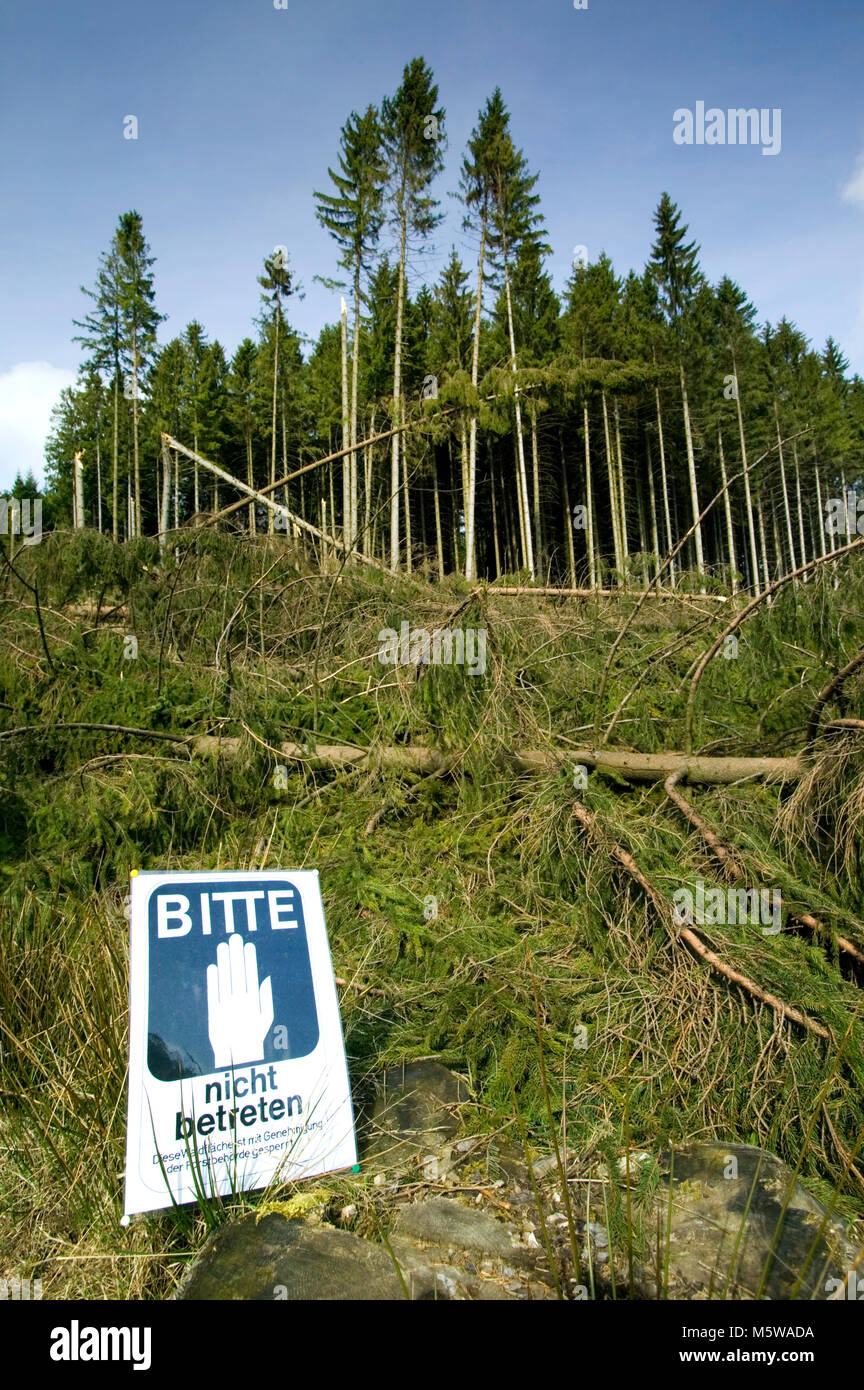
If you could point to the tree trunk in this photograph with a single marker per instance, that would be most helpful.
(355, 369)
(471, 480)
(439, 539)
(664, 483)
(346, 426)
(622, 510)
(495, 537)
(270, 514)
(589, 502)
(250, 478)
(727, 504)
(397, 403)
(535, 471)
(98, 484)
(527, 545)
(803, 547)
(568, 517)
(786, 509)
(691, 469)
(613, 493)
(115, 520)
(135, 454)
(652, 503)
(766, 576)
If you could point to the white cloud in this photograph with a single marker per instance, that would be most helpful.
(27, 393)
(853, 191)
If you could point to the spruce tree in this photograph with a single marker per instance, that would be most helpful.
(413, 137)
(354, 216)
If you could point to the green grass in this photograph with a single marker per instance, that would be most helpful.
(229, 642)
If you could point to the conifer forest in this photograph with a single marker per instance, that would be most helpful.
(526, 610)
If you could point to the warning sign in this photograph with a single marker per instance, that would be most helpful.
(237, 1066)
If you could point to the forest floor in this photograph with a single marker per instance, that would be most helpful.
(479, 914)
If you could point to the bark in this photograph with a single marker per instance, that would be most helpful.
(275, 508)
(115, 520)
(622, 509)
(632, 767)
(568, 519)
(471, 480)
(346, 432)
(786, 510)
(135, 449)
(730, 533)
(527, 544)
(664, 484)
(397, 403)
(589, 503)
(691, 469)
(613, 493)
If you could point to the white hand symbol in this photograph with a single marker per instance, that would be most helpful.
(239, 1014)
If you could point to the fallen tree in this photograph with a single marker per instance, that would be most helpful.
(632, 767)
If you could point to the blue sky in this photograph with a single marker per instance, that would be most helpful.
(240, 106)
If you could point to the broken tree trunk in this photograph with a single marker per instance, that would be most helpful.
(632, 767)
(686, 934)
(276, 507)
(728, 859)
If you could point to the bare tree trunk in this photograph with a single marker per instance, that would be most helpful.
(471, 479)
(368, 549)
(622, 509)
(355, 366)
(823, 549)
(730, 533)
(165, 510)
(762, 542)
(270, 514)
(613, 493)
(454, 516)
(664, 483)
(589, 501)
(397, 404)
(652, 502)
(439, 539)
(346, 427)
(135, 450)
(495, 537)
(408, 539)
(98, 484)
(568, 517)
(786, 509)
(691, 469)
(748, 500)
(803, 547)
(527, 545)
(250, 478)
(535, 470)
(115, 520)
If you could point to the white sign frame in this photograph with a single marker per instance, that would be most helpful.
(314, 1131)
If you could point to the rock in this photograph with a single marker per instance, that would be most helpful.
(443, 1221)
(414, 1114)
(718, 1189)
(277, 1259)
